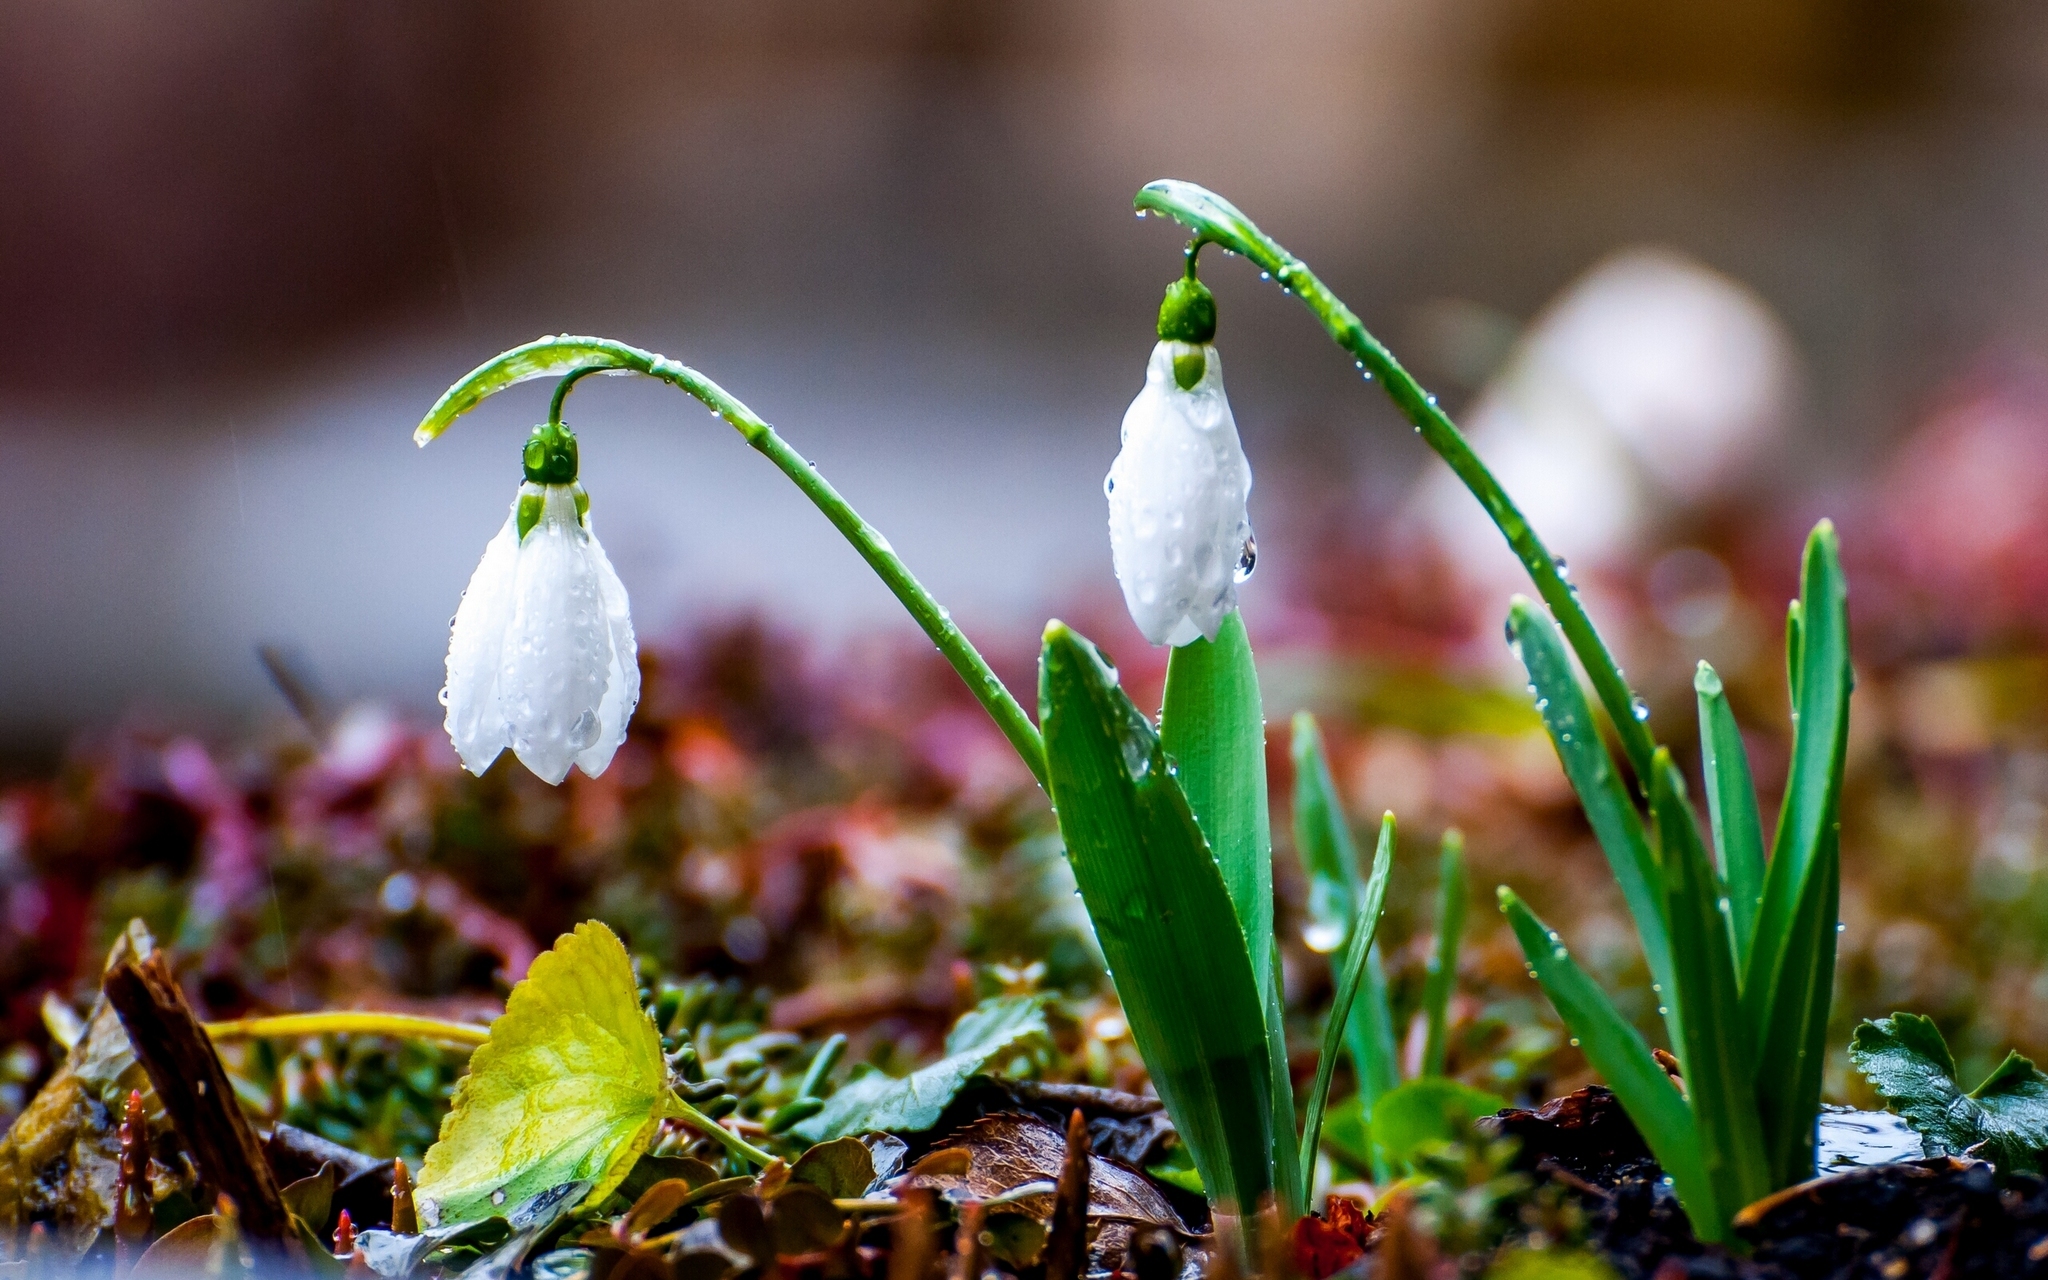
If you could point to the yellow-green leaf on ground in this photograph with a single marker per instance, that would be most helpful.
(570, 1086)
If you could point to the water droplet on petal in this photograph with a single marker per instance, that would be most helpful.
(1247, 558)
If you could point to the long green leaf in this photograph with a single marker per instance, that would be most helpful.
(1719, 1065)
(1793, 1052)
(1606, 801)
(1443, 966)
(1322, 837)
(1288, 1188)
(1731, 802)
(1622, 1059)
(1163, 917)
(1213, 728)
(1789, 981)
(1363, 931)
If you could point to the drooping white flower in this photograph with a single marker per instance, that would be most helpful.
(541, 656)
(1178, 527)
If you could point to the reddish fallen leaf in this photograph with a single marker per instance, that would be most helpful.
(1324, 1245)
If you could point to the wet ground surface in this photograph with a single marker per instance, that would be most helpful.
(1941, 1218)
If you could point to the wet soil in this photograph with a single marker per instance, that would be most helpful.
(1942, 1218)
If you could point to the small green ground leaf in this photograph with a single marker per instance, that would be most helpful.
(1905, 1059)
(913, 1103)
(570, 1086)
(841, 1168)
(1425, 1112)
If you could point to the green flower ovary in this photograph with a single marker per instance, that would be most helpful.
(550, 454)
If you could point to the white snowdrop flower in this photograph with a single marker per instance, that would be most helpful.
(541, 656)
(1178, 529)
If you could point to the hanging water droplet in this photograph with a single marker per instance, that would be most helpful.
(1108, 485)
(1323, 936)
(1564, 568)
(1575, 1042)
(1247, 558)
(498, 1196)
(1639, 709)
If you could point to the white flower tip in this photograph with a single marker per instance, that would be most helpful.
(1178, 527)
(541, 657)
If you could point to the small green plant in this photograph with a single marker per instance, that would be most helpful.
(1166, 825)
(1329, 858)
(2004, 1119)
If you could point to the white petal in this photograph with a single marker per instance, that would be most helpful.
(475, 641)
(622, 682)
(1177, 492)
(557, 647)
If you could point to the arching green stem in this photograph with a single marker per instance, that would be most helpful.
(1215, 220)
(573, 358)
(677, 1109)
(562, 389)
(397, 1026)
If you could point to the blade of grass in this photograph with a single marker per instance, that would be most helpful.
(1606, 801)
(1716, 1053)
(1786, 990)
(1793, 1053)
(1163, 918)
(1215, 220)
(1213, 728)
(1443, 966)
(1731, 802)
(1322, 837)
(1288, 1188)
(1364, 929)
(1614, 1049)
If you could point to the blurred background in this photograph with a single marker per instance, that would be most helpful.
(247, 244)
(1692, 275)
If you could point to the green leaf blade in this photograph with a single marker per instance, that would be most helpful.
(570, 1086)
(1213, 728)
(1443, 966)
(1614, 1049)
(1363, 932)
(1731, 805)
(1719, 1065)
(1590, 767)
(1788, 985)
(1163, 917)
(1329, 859)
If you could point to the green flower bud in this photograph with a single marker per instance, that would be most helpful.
(550, 454)
(1188, 313)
